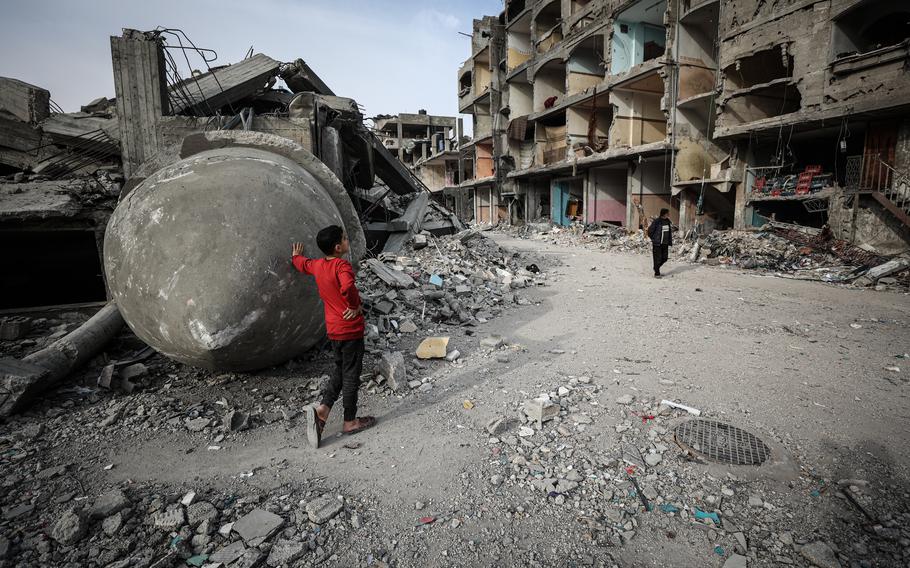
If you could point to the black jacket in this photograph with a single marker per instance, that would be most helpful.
(656, 232)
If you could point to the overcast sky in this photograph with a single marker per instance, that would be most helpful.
(390, 56)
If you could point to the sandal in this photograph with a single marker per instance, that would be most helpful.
(366, 422)
(314, 426)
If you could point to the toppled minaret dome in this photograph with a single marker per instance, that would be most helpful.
(197, 256)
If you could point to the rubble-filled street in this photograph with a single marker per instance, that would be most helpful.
(208, 467)
(536, 283)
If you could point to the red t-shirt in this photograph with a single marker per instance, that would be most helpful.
(335, 280)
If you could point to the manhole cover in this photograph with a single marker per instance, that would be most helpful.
(721, 442)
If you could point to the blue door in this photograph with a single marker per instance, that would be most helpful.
(559, 201)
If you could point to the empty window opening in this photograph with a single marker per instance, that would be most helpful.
(589, 125)
(483, 76)
(759, 68)
(551, 139)
(579, 5)
(639, 35)
(547, 27)
(465, 83)
(764, 102)
(638, 118)
(521, 99)
(514, 8)
(549, 85)
(586, 66)
(871, 26)
(51, 267)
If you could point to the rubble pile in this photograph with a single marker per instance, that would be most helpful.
(452, 281)
(804, 253)
(54, 520)
(647, 484)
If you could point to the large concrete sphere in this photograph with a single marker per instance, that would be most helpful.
(197, 257)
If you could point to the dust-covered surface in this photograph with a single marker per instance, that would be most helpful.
(455, 473)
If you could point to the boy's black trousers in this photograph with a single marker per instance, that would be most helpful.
(345, 380)
(661, 254)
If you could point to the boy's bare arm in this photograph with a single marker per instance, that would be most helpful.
(297, 249)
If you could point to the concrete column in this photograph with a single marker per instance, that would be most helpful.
(400, 142)
(141, 90)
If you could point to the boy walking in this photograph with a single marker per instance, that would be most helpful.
(345, 327)
(661, 234)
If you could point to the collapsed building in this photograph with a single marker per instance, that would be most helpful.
(427, 144)
(729, 114)
(120, 195)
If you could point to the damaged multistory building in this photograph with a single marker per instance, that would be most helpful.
(427, 144)
(227, 152)
(729, 114)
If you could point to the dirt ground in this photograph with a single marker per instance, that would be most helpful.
(802, 365)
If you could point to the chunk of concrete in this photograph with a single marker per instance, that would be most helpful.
(108, 504)
(229, 553)
(257, 524)
(322, 509)
(393, 368)
(541, 410)
(285, 552)
(433, 348)
(133, 371)
(14, 328)
(70, 527)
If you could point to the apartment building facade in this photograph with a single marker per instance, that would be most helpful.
(727, 113)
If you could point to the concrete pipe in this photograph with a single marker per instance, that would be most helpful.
(197, 255)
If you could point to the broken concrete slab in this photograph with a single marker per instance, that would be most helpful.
(390, 276)
(133, 371)
(541, 410)
(433, 348)
(108, 504)
(257, 524)
(285, 552)
(70, 527)
(229, 553)
(323, 508)
(23, 101)
(392, 367)
(14, 328)
(223, 86)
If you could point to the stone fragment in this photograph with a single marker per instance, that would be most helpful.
(492, 342)
(70, 527)
(133, 371)
(188, 498)
(433, 348)
(170, 520)
(236, 420)
(625, 399)
(257, 524)
(653, 459)
(251, 558)
(540, 410)
(106, 377)
(112, 524)
(285, 552)
(392, 367)
(820, 554)
(755, 501)
(108, 504)
(463, 290)
(323, 508)
(735, 561)
(197, 424)
(200, 512)
(14, 328)
(453, 355)
(229, 553)
(497, 425)
(407, 326)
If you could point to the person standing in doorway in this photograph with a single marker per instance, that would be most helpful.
(661, 234)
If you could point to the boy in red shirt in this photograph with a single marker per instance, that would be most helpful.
(344, 326)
